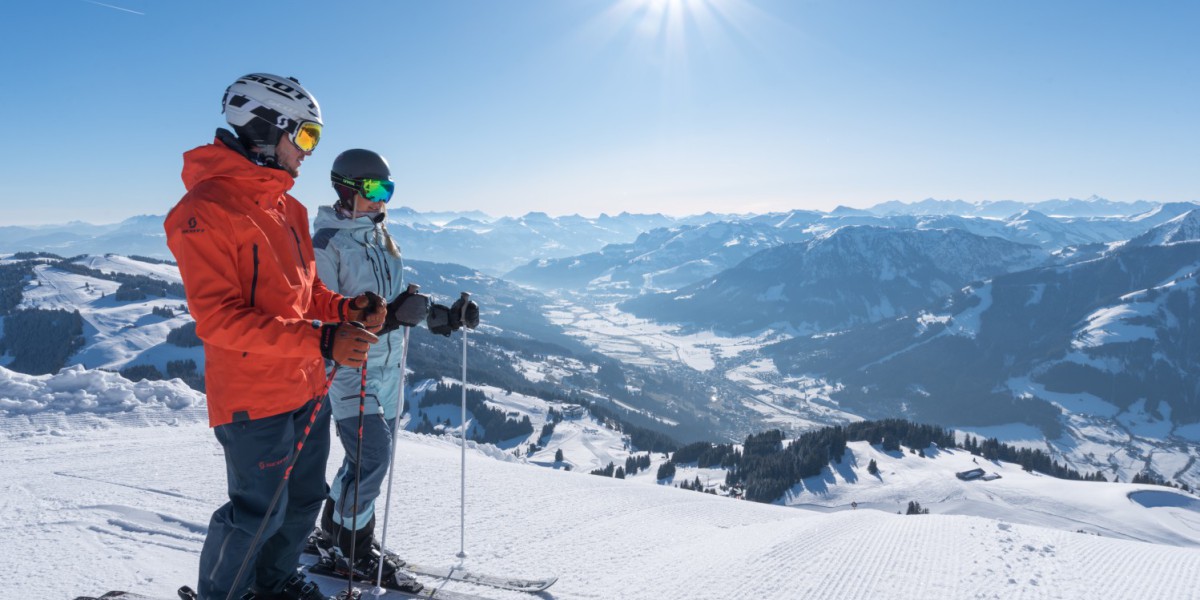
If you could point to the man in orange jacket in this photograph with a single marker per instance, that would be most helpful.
(246, 259)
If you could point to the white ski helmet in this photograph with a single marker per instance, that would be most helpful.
(262, 107)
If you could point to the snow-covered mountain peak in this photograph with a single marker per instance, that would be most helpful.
(887, 252)
(1030, 215)
(1164, 212)
(846, 211)
(1184, 228)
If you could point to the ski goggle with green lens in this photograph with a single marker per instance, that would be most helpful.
(374, 190)
(307, 135)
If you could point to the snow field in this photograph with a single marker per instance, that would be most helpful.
(127, 507)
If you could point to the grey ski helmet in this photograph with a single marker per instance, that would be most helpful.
(262, 108)
(354, 168)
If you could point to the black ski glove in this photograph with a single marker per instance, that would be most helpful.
(346, 343)
(464, 312)
(439, 320)
(407, 310)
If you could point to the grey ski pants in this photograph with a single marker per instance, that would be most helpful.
(376, 455)
(257, 453)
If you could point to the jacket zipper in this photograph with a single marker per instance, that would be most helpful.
(253, 282)
(303, 263)
(254, 279)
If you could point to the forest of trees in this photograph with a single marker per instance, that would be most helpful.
(133, 287)
(640, 437)
(184, 336)
(182, 369)
(497, 427)
(12, 281)
(151, 260)
(1029, 459)
(432, 357)
(41, 340)
(764, 468)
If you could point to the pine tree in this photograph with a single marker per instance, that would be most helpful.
(872, 468)
(666, 471)
(558, 455)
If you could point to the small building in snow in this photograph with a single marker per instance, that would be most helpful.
(969, 475)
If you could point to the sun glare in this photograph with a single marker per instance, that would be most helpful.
(658, 28)
(671, 29)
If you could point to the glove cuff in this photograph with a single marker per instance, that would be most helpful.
(327, 335)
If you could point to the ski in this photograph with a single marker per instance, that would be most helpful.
(519, 584)
(185, 593)
(318, 545)
(119, 595)
(318, 571)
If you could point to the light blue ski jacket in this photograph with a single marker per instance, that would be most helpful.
(352, 258)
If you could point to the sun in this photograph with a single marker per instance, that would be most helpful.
(678, 38)
(666, 24)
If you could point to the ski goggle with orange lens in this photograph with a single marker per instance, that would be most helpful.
(307, 135)
(374, 190)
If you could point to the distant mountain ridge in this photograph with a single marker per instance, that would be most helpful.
(852, 275)
(500, 245)
(1116, 329)
(1092, 206)
(661, 259)
(1183, 228)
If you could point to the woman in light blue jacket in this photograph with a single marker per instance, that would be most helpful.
(355, 255)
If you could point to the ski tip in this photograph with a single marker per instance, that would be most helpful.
(185, 593)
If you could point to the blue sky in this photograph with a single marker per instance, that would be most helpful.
(574, 106)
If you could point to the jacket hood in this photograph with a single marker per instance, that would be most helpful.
(220, 161)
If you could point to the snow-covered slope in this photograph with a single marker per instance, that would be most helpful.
(117, 333)
(116, 507)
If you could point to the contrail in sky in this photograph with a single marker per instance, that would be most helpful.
(115, 7)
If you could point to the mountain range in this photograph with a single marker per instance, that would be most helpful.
(1072, 334)
(851, 275)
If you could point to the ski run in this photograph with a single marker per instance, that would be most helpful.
(114, 487)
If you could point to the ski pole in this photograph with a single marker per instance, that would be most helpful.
(282, 482)
(462, 503)
(362, 402)
(379, 590)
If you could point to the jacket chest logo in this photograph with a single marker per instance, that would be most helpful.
(191, 226)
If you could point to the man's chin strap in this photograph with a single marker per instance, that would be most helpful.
(263, 156)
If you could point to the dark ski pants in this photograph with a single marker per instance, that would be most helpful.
(376, 455)
(257, 453)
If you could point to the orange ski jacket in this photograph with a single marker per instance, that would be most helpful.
(246, 259)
